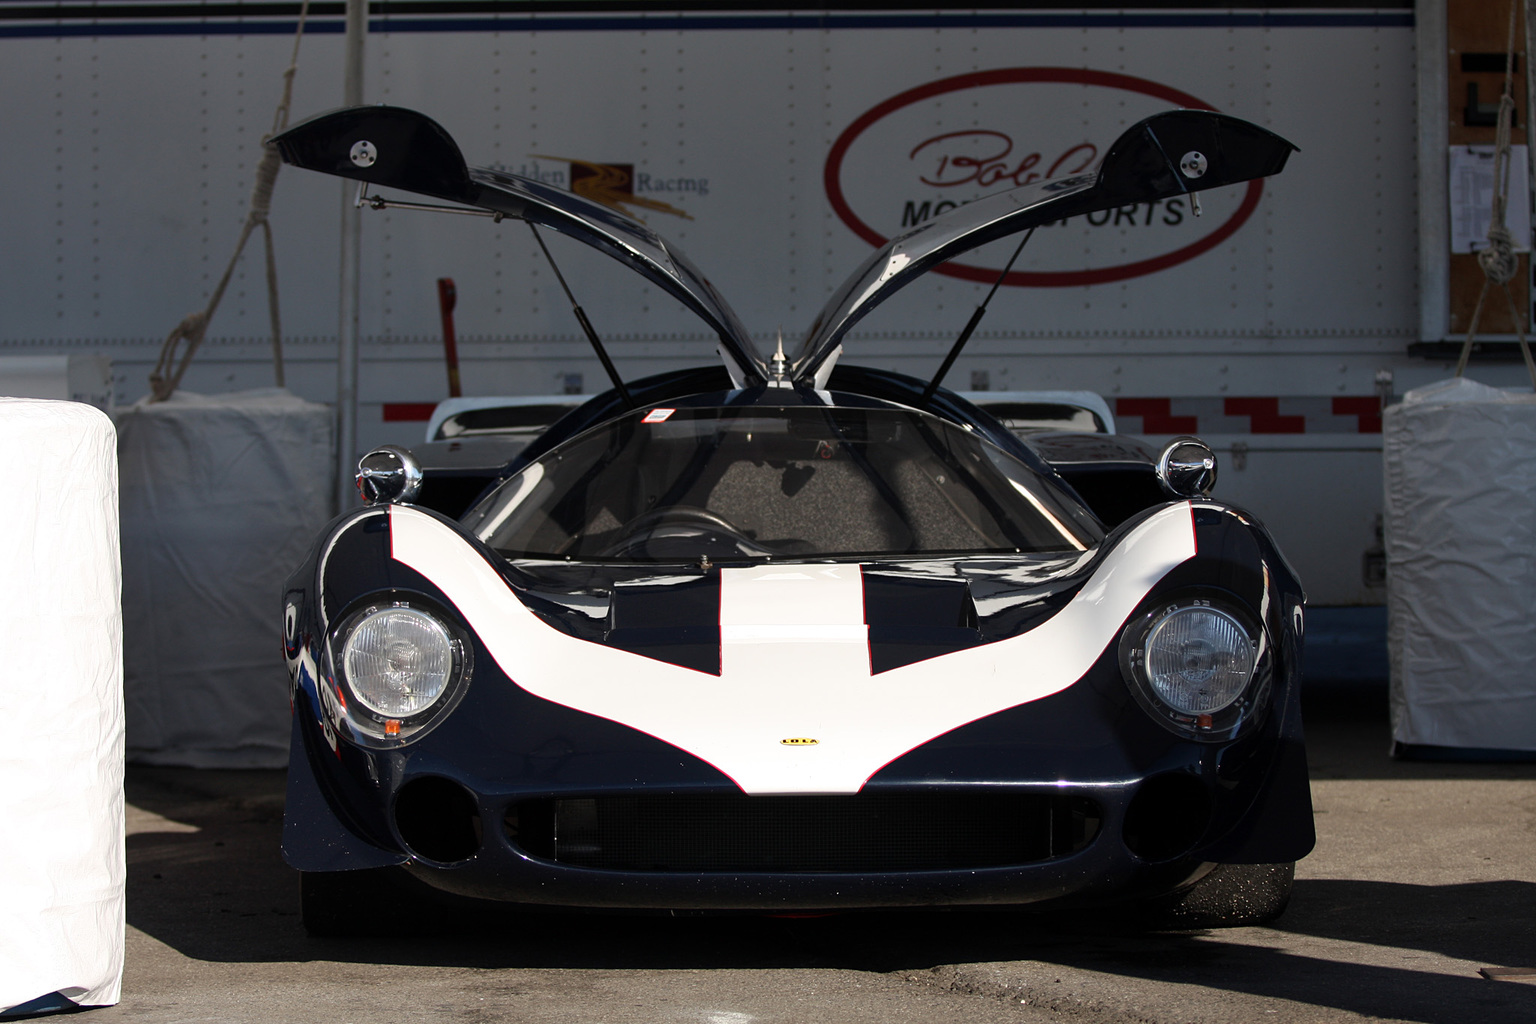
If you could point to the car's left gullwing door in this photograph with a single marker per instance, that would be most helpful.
(1169, 154)
(401, 149)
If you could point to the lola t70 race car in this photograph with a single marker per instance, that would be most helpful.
(789, 635)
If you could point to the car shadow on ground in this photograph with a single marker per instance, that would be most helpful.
(208, 881)
(206, 878)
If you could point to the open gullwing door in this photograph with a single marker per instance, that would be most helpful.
(401, 149)
(1169, 154)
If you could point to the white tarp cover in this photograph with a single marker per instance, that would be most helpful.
(61, 763)
(1460, 463)
(221, 497)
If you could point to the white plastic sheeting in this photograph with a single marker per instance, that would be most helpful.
(221, 498)
(1460, 461)
(61, 765)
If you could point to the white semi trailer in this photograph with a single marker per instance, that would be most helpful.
(776, 147)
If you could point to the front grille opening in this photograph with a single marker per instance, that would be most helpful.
(437, 819)
(1167, 816)
(790, 834)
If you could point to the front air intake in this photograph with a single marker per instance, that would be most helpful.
(1167, 816)
(437, 819)
(793, 834)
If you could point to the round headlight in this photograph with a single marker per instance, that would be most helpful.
(1199, 659)
(398, 661)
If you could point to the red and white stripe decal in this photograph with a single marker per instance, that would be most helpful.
(1308, 414)
(795, 660)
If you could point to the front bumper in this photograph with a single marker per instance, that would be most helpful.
(1155, 825)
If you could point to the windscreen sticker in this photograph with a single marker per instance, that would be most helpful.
(658, 415)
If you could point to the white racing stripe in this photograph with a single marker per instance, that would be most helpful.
(795, 660)
(791, 637)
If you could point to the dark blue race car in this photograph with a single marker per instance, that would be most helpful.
(786, 634)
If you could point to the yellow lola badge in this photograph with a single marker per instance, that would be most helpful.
(799, 741)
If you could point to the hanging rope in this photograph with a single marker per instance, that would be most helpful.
(162, 381)
(1498, 260)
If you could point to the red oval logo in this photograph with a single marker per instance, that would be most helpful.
(972, 150)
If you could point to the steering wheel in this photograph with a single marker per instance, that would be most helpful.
(681, 514)
(641, 529)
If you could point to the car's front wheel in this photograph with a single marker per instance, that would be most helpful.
(1229, 896)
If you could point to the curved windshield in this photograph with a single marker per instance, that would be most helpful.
(750, 482)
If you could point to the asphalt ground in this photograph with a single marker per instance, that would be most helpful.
(1423, 874)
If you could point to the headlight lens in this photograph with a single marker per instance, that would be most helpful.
(398, 661)
(1200, 664)
(1199, 659)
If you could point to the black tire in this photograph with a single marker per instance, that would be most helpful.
(1229, 896)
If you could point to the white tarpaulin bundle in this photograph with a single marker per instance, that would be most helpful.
(1460, 461)
(221, 497)
(61, 765)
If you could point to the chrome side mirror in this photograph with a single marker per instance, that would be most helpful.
(1187, 468)
(388, 474)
